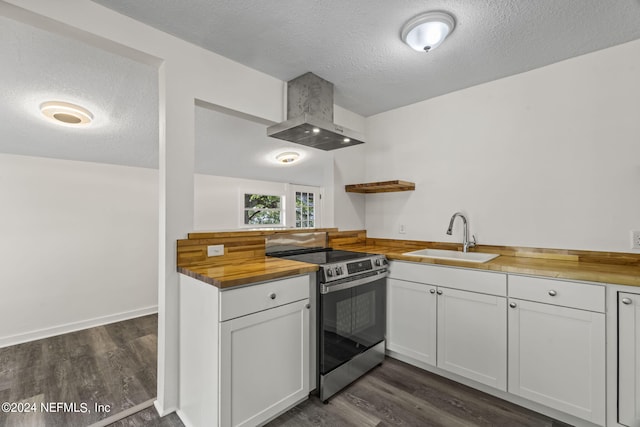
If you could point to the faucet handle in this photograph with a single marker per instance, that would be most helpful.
(474, 243)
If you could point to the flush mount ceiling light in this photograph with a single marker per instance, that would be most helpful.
(65, 113)
(287, 157)
(427, 31)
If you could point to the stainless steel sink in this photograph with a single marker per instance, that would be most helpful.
(477, 257)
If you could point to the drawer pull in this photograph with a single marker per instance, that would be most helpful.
(272, 295)
(308, 306)
(439, 292)
(553, 293)
(513, 305)
(626, 301)
(433, 291)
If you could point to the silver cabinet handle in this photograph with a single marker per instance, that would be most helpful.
(439, 292)
(626, 301)
(553, 293)
(513, 305)
(272, 295)
(433, 291)
(308, 306)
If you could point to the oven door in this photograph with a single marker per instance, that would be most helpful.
(352, 319)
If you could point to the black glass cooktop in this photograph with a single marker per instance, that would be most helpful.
(324, 257)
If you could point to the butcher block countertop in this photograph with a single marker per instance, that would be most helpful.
(573, 265)
(244, 261)
(245, 271)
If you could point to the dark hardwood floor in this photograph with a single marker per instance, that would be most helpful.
(398, 394)
(147, 418)
(116, 365)
(112, 365)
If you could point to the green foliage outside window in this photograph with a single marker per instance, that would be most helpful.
(260, 209)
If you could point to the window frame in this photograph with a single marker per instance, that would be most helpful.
(318, 194)
(282, 209)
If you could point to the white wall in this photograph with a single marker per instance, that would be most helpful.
(349, 168)
(548, 158)
(79, 245)
(217, 200)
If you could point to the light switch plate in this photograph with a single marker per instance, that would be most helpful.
(215, 250)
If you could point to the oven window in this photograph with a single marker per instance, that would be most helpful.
(353, 320)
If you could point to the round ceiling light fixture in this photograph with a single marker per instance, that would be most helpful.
(287, 157)
(65, 113)
(427, 31)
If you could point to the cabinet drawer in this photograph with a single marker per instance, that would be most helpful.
(583, 296)
(262, 296)
(458, 278)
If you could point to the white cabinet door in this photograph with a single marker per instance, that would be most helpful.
(629, 359)
(264, 364)
(557, 358)
(472, 336)
(411, 320)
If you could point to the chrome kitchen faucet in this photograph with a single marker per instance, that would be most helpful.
(466, 244)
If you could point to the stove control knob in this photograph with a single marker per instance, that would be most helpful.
(379, 262)
(329, 272)
(338, 270)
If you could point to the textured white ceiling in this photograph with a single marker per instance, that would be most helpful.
(356, 45)
(122, 94)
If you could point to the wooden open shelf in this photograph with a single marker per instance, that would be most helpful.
(380, 187)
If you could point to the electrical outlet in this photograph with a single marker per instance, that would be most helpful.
(215, 250)
(635, 239)
(402, 229)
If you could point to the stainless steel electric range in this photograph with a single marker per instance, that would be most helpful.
(351, 314)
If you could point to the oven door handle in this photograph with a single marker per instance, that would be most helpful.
(327, 288)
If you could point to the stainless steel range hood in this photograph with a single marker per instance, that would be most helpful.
(310, 116)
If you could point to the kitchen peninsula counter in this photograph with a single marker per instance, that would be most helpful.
(228, 274)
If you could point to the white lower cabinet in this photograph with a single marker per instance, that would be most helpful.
(263, 364)
(449, 326)
(541, 339)
(557, 353)
(411, 320)
(244, 353)
(472, 336)
(629, 359)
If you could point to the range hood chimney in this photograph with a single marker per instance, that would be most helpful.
(310, 116)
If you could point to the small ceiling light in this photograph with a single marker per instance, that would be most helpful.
(65, 113)
(287, 157)
(346, 140)
(427, 31)
(316, 130)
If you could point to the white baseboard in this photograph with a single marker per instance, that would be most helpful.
(105, 422)
(183, 417)
(75, 326)
(163, 412)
